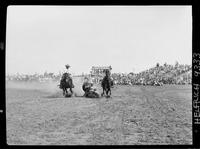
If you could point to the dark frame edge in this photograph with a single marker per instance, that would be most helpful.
(195, 49)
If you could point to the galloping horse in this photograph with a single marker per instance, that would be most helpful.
(65, 83)
(106, 83)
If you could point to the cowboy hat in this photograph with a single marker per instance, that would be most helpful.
(67, 66)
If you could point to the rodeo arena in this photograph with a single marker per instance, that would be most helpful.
(152, 107)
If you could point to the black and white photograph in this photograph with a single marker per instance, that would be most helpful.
(98, 75)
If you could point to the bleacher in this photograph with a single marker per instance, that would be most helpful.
(158, 75)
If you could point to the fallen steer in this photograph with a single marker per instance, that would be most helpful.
(92, 94)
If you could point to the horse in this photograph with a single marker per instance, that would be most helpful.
(106, 83)
(65, 83)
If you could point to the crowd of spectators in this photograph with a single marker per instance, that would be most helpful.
(158, 75)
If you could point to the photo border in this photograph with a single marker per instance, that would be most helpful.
(195, 63)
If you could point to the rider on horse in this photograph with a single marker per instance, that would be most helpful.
(66, 76)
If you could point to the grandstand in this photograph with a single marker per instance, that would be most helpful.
(97, 73)
(166, 74)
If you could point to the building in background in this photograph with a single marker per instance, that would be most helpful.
(97, 72)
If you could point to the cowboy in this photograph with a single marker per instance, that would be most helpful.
(67, 75)
(89, 89)
(87, 86)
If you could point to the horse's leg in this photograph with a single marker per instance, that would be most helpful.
(103, 92)
(66, 92)
(63, 92)
(107, 90)
(71, 90)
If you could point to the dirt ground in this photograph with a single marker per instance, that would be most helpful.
(135, 115)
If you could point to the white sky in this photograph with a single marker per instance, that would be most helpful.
(129, 38)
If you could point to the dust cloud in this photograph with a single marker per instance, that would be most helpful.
(78, 82)
(50, 87)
